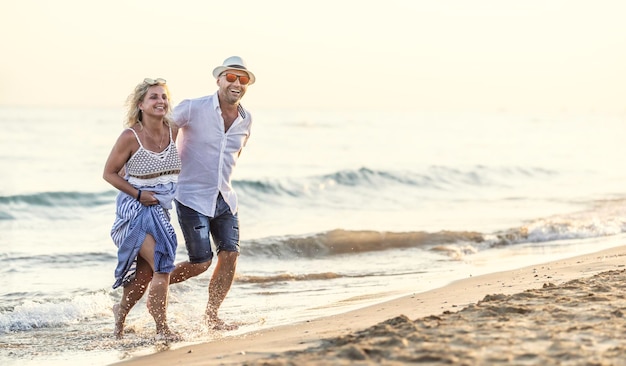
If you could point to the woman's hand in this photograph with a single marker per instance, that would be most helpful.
(147, 198)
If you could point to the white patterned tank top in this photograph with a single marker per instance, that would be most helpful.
(148, 168)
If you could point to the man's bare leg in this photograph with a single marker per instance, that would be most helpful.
(186, 270)
(220, 284)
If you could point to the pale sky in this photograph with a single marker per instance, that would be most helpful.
(412, 54)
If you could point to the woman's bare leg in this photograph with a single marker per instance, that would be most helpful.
(159, 288)
(131, 295)
(157, 303)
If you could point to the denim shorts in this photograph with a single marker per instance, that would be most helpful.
(196, 227)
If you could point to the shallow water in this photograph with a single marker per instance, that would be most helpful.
(338, 210)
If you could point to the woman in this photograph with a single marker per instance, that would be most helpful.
(144, 165)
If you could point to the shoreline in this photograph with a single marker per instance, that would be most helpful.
(453, 298)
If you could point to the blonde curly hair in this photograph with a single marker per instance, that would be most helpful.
(134, 114)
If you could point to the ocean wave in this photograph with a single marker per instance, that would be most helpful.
(434, 177)
(37, 203)
(343, 183)
(345, 242)
(603, 218)
(288, 277)
(59, 199)
(323, 276)
(74, 259)
(35, 314)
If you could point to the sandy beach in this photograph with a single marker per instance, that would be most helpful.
(567, 312)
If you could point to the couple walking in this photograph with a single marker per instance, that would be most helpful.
(186, 157)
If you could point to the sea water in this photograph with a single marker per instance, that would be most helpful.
(339, 209)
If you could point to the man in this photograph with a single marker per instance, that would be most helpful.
(213, 131)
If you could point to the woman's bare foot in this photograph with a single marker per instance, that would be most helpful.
(119, 322)
(214, 323)
(167, 336)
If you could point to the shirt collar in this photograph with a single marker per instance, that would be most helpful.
(216, 106)
(216, 102)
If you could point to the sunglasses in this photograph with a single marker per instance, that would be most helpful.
(243, 80)
(154, 81)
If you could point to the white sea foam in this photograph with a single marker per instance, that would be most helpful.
(34, 314)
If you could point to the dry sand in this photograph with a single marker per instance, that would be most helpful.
(567, 312)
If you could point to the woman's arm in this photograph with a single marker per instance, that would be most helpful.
(123, 149)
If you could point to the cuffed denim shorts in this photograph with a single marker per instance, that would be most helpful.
(196, 227)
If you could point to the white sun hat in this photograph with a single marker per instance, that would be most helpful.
(233, 63)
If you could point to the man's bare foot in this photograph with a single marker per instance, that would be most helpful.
(119, 322)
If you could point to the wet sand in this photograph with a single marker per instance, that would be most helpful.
(567, 312)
